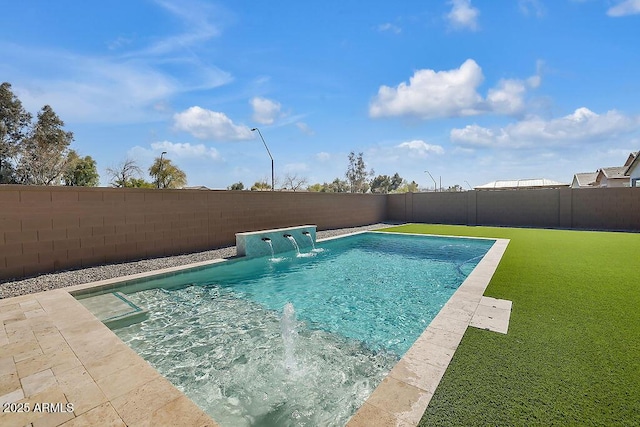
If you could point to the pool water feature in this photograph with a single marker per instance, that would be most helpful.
(303, 341)
(293, 243)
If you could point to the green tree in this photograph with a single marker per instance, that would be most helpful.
(122, 174)
(80, 171)
(261, 186)
(396, 182)
(411, 187)
(381, 184)
(237, 186)
(14, 127)
(455, 188)
(139, 183)
(167, 175)
(317, 188)
(43, 156)
(338, 186)
(357, 174)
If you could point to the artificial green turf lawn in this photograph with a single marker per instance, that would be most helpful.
(572, 354)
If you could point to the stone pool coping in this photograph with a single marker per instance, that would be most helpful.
(53, 350)
(403, 396)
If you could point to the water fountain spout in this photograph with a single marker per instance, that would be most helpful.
(293, 242)
(306, 233)
(268, 241)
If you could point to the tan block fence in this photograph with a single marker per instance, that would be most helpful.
(593, 208)
(44, 229)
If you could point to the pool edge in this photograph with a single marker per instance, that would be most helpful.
(404, 394)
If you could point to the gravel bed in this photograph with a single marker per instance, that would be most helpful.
(62, 279)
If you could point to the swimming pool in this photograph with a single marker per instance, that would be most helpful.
(297, 340)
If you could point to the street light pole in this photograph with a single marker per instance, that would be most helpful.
(270, 156)
(160, 169)
(435, 185)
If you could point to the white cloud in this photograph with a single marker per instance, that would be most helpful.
(388, 27)
(507, 97)
(295, 167)
(125, 84)
(304, 128)
(85, 89)
(582, 126)
(534, 7)
(624, 8)
(265, 111)
(212, 125)
(323, 156)
(419, 148)
(195, 17)
(185, 149)
(463, 15)
(434, 94)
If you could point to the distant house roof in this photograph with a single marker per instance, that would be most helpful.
(521, 183)
(196, 187)
(613, 173)
(584, 179)
(633, 156)
(630, 165)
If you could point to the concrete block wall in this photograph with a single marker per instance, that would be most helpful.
(524, 208)
(606, 208)
(596, 208)
(44, 229)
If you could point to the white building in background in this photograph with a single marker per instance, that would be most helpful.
(520, 184)
(584, 180)
(633, 170)
(612, 177)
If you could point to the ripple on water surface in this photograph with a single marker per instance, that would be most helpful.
(230, 358)
(298, 341)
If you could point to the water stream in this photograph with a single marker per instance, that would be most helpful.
(306, 233)
(268, 242)
(293, 242)
(289, 335)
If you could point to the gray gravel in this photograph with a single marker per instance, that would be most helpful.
(62, 279)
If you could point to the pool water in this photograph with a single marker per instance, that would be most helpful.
(298, 340)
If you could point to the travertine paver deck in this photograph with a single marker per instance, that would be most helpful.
(492, 314)
(54, 351)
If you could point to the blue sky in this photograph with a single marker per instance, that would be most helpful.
(472, 91)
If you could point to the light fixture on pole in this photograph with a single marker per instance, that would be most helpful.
(269, 152)
(160, 169)
(435, 185)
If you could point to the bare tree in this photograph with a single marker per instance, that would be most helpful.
(123, 173)
(294, 182)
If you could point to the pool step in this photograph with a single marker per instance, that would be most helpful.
(114, 309)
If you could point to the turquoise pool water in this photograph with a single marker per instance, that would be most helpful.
(297, 340)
